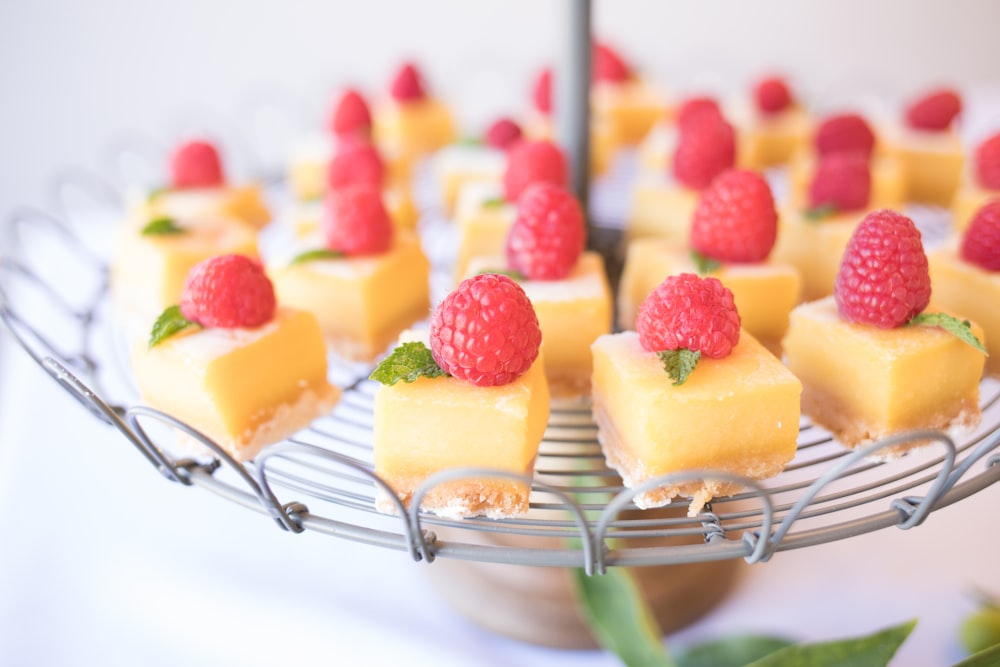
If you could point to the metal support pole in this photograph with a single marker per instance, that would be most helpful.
(572, 94)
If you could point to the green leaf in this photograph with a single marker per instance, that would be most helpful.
(312, 255)
(513, 274)
(961, 329)
(169, 323)
(704, 265)
(469, 141)
(989, 657)
(620, 619)
(731, 652)
(495, 202)
(162, 227)
(407, 362)
(679, 364)
(153, 194)
(874, 650)
(821, 212)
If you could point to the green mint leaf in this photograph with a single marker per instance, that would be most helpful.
(703, 264)
(469, 141)
(874, 650)
(495, 202)
(821, 212)
(988, 657)
(731, 651)
(312, 255)
(169, 323)
(153, 194)
(961, 329)
(513, 274)
(620, 619)
(679, 364)
(162, 227)
(407, 362)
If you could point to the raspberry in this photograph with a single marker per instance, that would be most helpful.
(486, 331)
(706, 146)
(228, 291)
(355, 221)
(609, 65)
(534, 161)
(196, 164)
(695, 106)
(735, 220)
(845, 132)
(350, 116)
(772, 95)
(981, 242)
(407, 85)
(934, 111)
(689, 312)
(988, 163)
(548, 234)
(541, 92)
(355, 163)
(883, 278)
(503, 133)
(843, 181)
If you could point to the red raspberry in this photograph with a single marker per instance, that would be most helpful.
(843, 181)
(548, 234)
(196, 164)
(772, 95)
(692, 313)
(228, 291)
(608, 65)
(706, 146)
(988, 163)
(533, 161)
(883, 279)
(981, 242)
(695, 106)
(735, 220)
(845, 132)
(355, 163)
(503, 133)
(350, 116)
(486, 331)
(355, 221)
(541, 92)
(934, 111)
(407, 85)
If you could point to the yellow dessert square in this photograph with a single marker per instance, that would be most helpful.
(765, 141)
(655, 150)
(661, 207)
(764, 292)
(483, 219)
(863, 383)
(649, 427)
(970, 292)
(241, 202)
(361, 303)
(931, 163)
(415, 128)
(458, 164)
(572, 313)
(968, 199)
(814, 248)
(444, 423)
(243, 388)
(888, 182)
(629, 107)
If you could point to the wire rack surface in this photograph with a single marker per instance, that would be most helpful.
(53, 297)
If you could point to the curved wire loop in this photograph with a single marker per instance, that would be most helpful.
(987, 445)
(756, 548)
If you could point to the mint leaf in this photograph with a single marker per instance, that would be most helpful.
(407, 362)
(153, 194)
(469, 141)
(162, 227)
(620, 619)
(731, 651)
(312, 255)
(169, 323)
(821, 212)
(703, 264)
(988, 657)
(874, 650)
(495, 202)
(961, 329)
(679, 364)
(513, 274)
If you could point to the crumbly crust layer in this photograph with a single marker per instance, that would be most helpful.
(492, 498)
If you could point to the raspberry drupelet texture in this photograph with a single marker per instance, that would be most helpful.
(407, 85)
(503, 133)
(883, 279)
(355, 163)
(486, 331)
(843, 181)
(228, 291)
(981, 241)
(735, 220)
(934, 111)
(609, 65)
(351, 116)
(772, 95)
(196, 164)
(548, 234)
(355, 221)
(987, 162)
(689, 312)
(533, 161)
(845, 132)
(706, 146)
